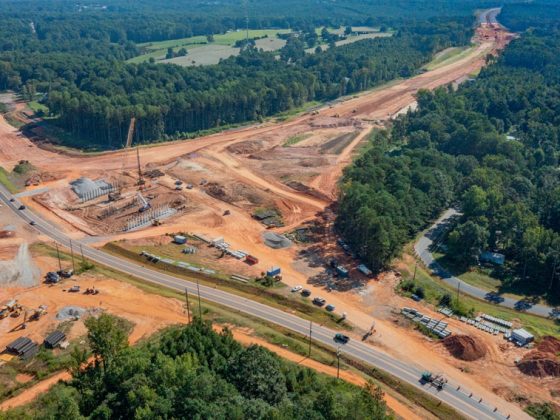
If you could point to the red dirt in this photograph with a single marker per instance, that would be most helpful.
(549, 345)
(544, 360)
(465, 347)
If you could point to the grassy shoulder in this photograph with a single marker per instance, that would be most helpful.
(434, 289)
(270, 296)
(6, 181)
(448, 56)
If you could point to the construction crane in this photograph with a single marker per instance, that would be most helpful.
(141, 181)
(144, 205)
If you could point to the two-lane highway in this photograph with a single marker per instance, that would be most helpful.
(459, 399)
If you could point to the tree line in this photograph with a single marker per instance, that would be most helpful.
(94, 98)
(193, 372)
(491, 147)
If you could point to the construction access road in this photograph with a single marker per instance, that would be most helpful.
(465, 403)
(432, 237)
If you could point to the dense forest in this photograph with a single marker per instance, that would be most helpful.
(544, 14)
(192, 372)
(92, 93)
(492, 147)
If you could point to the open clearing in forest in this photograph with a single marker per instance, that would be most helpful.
(222, 47)
(234, 172)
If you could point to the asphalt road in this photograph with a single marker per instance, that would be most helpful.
(433, 235)
(461, 400)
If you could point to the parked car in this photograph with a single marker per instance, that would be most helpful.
(341, 338)
(319, 301)
(329, 307)
(416, 298)
(296, 288)
(306, 292)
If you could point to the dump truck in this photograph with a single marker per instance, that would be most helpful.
(437, 381)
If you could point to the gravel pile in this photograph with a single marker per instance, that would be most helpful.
(276, 241)
(70, 312)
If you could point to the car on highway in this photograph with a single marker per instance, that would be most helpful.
(32, 223)
(330, 307)
(306, 292)
(522, 305)
(22, 207)
(493, 297)
(296, 288)
(341, 338)
(319, 301)
(12, 200)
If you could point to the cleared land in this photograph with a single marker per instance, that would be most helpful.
(204, 52)
(234, 172)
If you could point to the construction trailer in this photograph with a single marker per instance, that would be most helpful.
(54, 339)
(23, 347)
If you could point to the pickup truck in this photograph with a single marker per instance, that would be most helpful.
(319, 301)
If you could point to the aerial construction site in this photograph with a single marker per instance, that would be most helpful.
(232, 190)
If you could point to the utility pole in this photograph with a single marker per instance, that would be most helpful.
(82, 252)
(58, 255)
(188, 305)
(199, 304)
(72, 254)
(310, 332)
(415, 268)
(338, 363)
(458, 290)
(554, 266)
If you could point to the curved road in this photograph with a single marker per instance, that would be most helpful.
(460, 400)
(423, 251)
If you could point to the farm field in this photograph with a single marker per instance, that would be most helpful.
(198, 46)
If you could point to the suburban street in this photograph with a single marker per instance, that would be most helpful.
(423, 250)
(472, 406)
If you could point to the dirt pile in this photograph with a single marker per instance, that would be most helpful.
(544, 360)
(464, 347)
(549, 345)
(246, 147)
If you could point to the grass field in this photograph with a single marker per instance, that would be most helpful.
(434, 288)
(448, 56)
(296, 139)
(199, 46)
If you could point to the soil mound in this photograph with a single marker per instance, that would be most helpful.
(544, 360)
(549, 345)
(540, 365)
(246, 147)
(464, 347)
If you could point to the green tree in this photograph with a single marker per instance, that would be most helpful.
(107, 338)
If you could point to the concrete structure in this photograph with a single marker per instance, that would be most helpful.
(521, 337)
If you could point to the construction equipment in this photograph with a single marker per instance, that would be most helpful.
(156, 222)
(91, 291)
(141, 180)
(35, 314)
(144, 205)
(437, 381)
